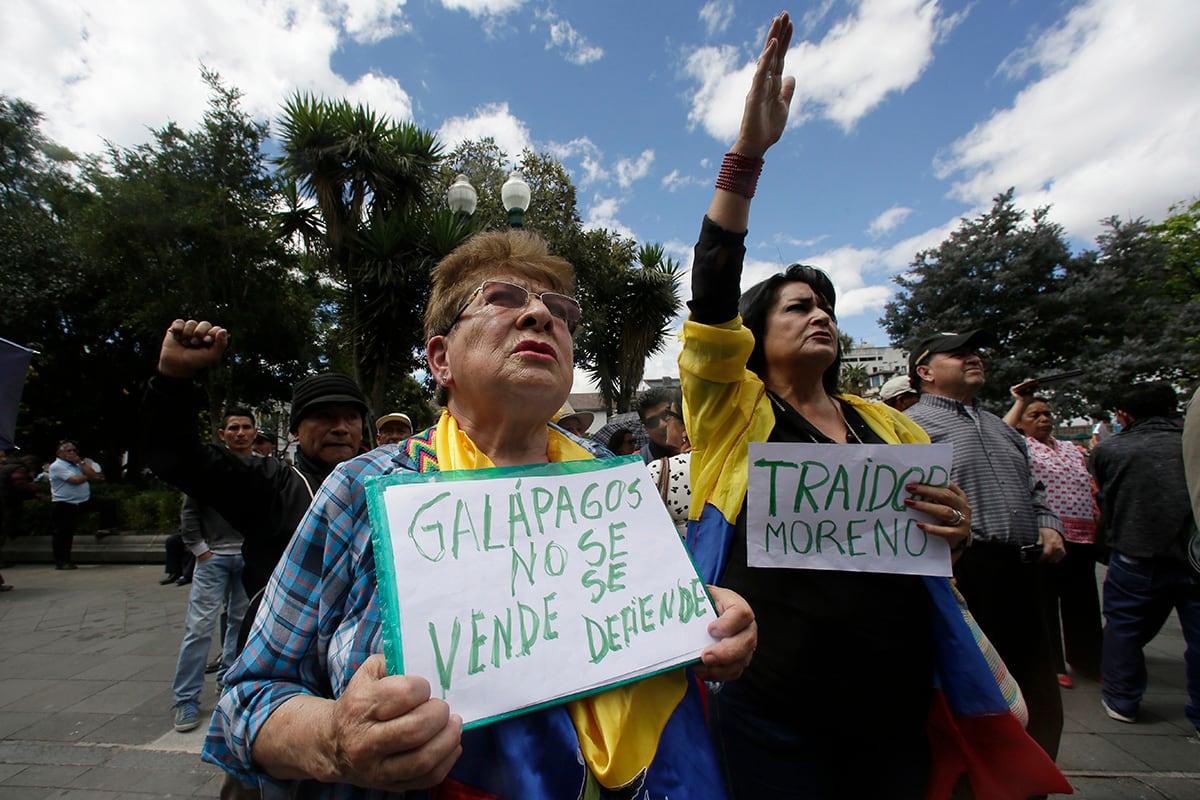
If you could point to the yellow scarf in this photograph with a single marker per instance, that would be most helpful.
(618, 729)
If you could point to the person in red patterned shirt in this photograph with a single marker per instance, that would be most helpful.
(1070, 588)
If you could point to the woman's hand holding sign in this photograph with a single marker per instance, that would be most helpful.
(738, 634)
(948, 504)
(384, 732)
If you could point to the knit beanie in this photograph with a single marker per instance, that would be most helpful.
(328, 387)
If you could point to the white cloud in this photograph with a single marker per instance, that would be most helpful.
(576, 147)
(813, 17)
(382, 94)
(583, 149)
(1108, 127)
(483, 8)
(592, 168)
(888, 220)
(370, 21)
(602, 213)
(100, 71)
(673, 181)
(793, 242)
(665, 363)
(629, 170)
(494, 120)
(716, 16)
(717, 102)
(881, 49)
(564, 37)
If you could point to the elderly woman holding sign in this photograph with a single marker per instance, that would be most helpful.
(852, 668)
(310, 703)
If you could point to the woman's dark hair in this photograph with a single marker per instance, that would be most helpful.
(756, 304)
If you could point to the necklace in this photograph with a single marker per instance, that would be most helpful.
(849, 431)
(785, 409)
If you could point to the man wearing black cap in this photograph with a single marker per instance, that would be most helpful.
(263, 498)
(1012, 525)
(264, 443)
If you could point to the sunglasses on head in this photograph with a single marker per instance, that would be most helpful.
(509, 295)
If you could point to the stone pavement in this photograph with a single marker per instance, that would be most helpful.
(86, 663)
(87, 658)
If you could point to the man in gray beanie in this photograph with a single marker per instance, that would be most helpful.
(263, 498)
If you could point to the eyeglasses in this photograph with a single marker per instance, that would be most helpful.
(510, 295)
(660, 418)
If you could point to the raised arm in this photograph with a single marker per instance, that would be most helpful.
(720, 250)
(1022, 395)
(190, 346)
(763, 119)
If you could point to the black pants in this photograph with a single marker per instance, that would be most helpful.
(1071, 587)
(1006, 598)
(179, 559)
(66, 516)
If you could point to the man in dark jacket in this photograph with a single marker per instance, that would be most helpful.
(263, 498)
(1147, 516)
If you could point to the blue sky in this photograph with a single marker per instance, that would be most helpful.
(908, 115)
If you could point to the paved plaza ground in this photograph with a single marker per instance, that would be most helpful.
(87, 658)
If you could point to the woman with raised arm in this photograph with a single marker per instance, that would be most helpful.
(852, 669)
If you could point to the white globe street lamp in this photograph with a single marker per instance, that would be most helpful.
(462, 197)
(515, 196)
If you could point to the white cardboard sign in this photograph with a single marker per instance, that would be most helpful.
(510, 589)
(820, 506)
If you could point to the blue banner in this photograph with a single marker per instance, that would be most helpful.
(14, 361)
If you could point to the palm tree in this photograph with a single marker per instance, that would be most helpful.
(369, 181)
(631, 306)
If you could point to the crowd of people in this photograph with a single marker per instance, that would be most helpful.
(819, 683)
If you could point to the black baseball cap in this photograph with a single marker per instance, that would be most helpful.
(948, 342)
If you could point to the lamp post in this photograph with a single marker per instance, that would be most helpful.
(515, 196)
(462, 197)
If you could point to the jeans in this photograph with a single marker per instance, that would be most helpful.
(215, 579)
(1139, 594)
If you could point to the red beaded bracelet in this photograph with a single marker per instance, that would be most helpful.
(739, 174)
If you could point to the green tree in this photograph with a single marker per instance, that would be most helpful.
(180, 226)
(630, 303)
(853, 378)
(366, 203)
(1123, 311)
(992, 272)
(42, 272)
(1121, 317)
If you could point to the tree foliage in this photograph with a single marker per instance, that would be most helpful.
(1116, 311)
(178, 227)
(365, 202)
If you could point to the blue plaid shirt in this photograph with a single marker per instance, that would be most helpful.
(319, 621)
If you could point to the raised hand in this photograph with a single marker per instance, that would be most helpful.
(190, 346)
(770, 97)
